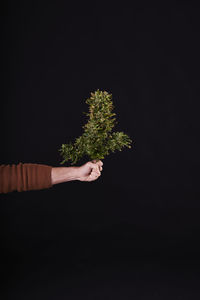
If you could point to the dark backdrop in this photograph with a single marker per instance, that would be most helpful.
(133, 233)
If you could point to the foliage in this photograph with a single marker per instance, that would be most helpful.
(97, 140)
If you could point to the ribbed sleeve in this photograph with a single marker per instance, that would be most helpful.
(24, 177)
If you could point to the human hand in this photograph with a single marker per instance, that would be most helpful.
(90, 171)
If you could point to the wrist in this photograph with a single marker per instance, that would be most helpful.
(63, 174)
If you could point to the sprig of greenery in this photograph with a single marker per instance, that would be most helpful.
(97, 140)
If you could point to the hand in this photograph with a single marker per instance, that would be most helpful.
(90, 171)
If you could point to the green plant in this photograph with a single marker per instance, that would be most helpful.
(97, 139)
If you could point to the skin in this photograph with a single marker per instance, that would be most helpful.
(90, 171)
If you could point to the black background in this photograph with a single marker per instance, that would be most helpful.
(133, 233)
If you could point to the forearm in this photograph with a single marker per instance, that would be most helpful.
(63, 174)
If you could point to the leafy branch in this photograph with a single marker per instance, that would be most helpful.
(97, 140)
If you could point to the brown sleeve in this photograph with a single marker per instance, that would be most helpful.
(24, 177)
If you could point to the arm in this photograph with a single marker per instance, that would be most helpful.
(88, 172)
(26, 177)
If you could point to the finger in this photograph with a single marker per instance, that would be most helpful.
(93, 176)
(92, 165)
(95, 168)
(96, 172)
(100, 168)
(100, 163)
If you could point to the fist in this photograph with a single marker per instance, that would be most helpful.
(90, 171)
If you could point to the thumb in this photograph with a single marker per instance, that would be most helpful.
(94, 166)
